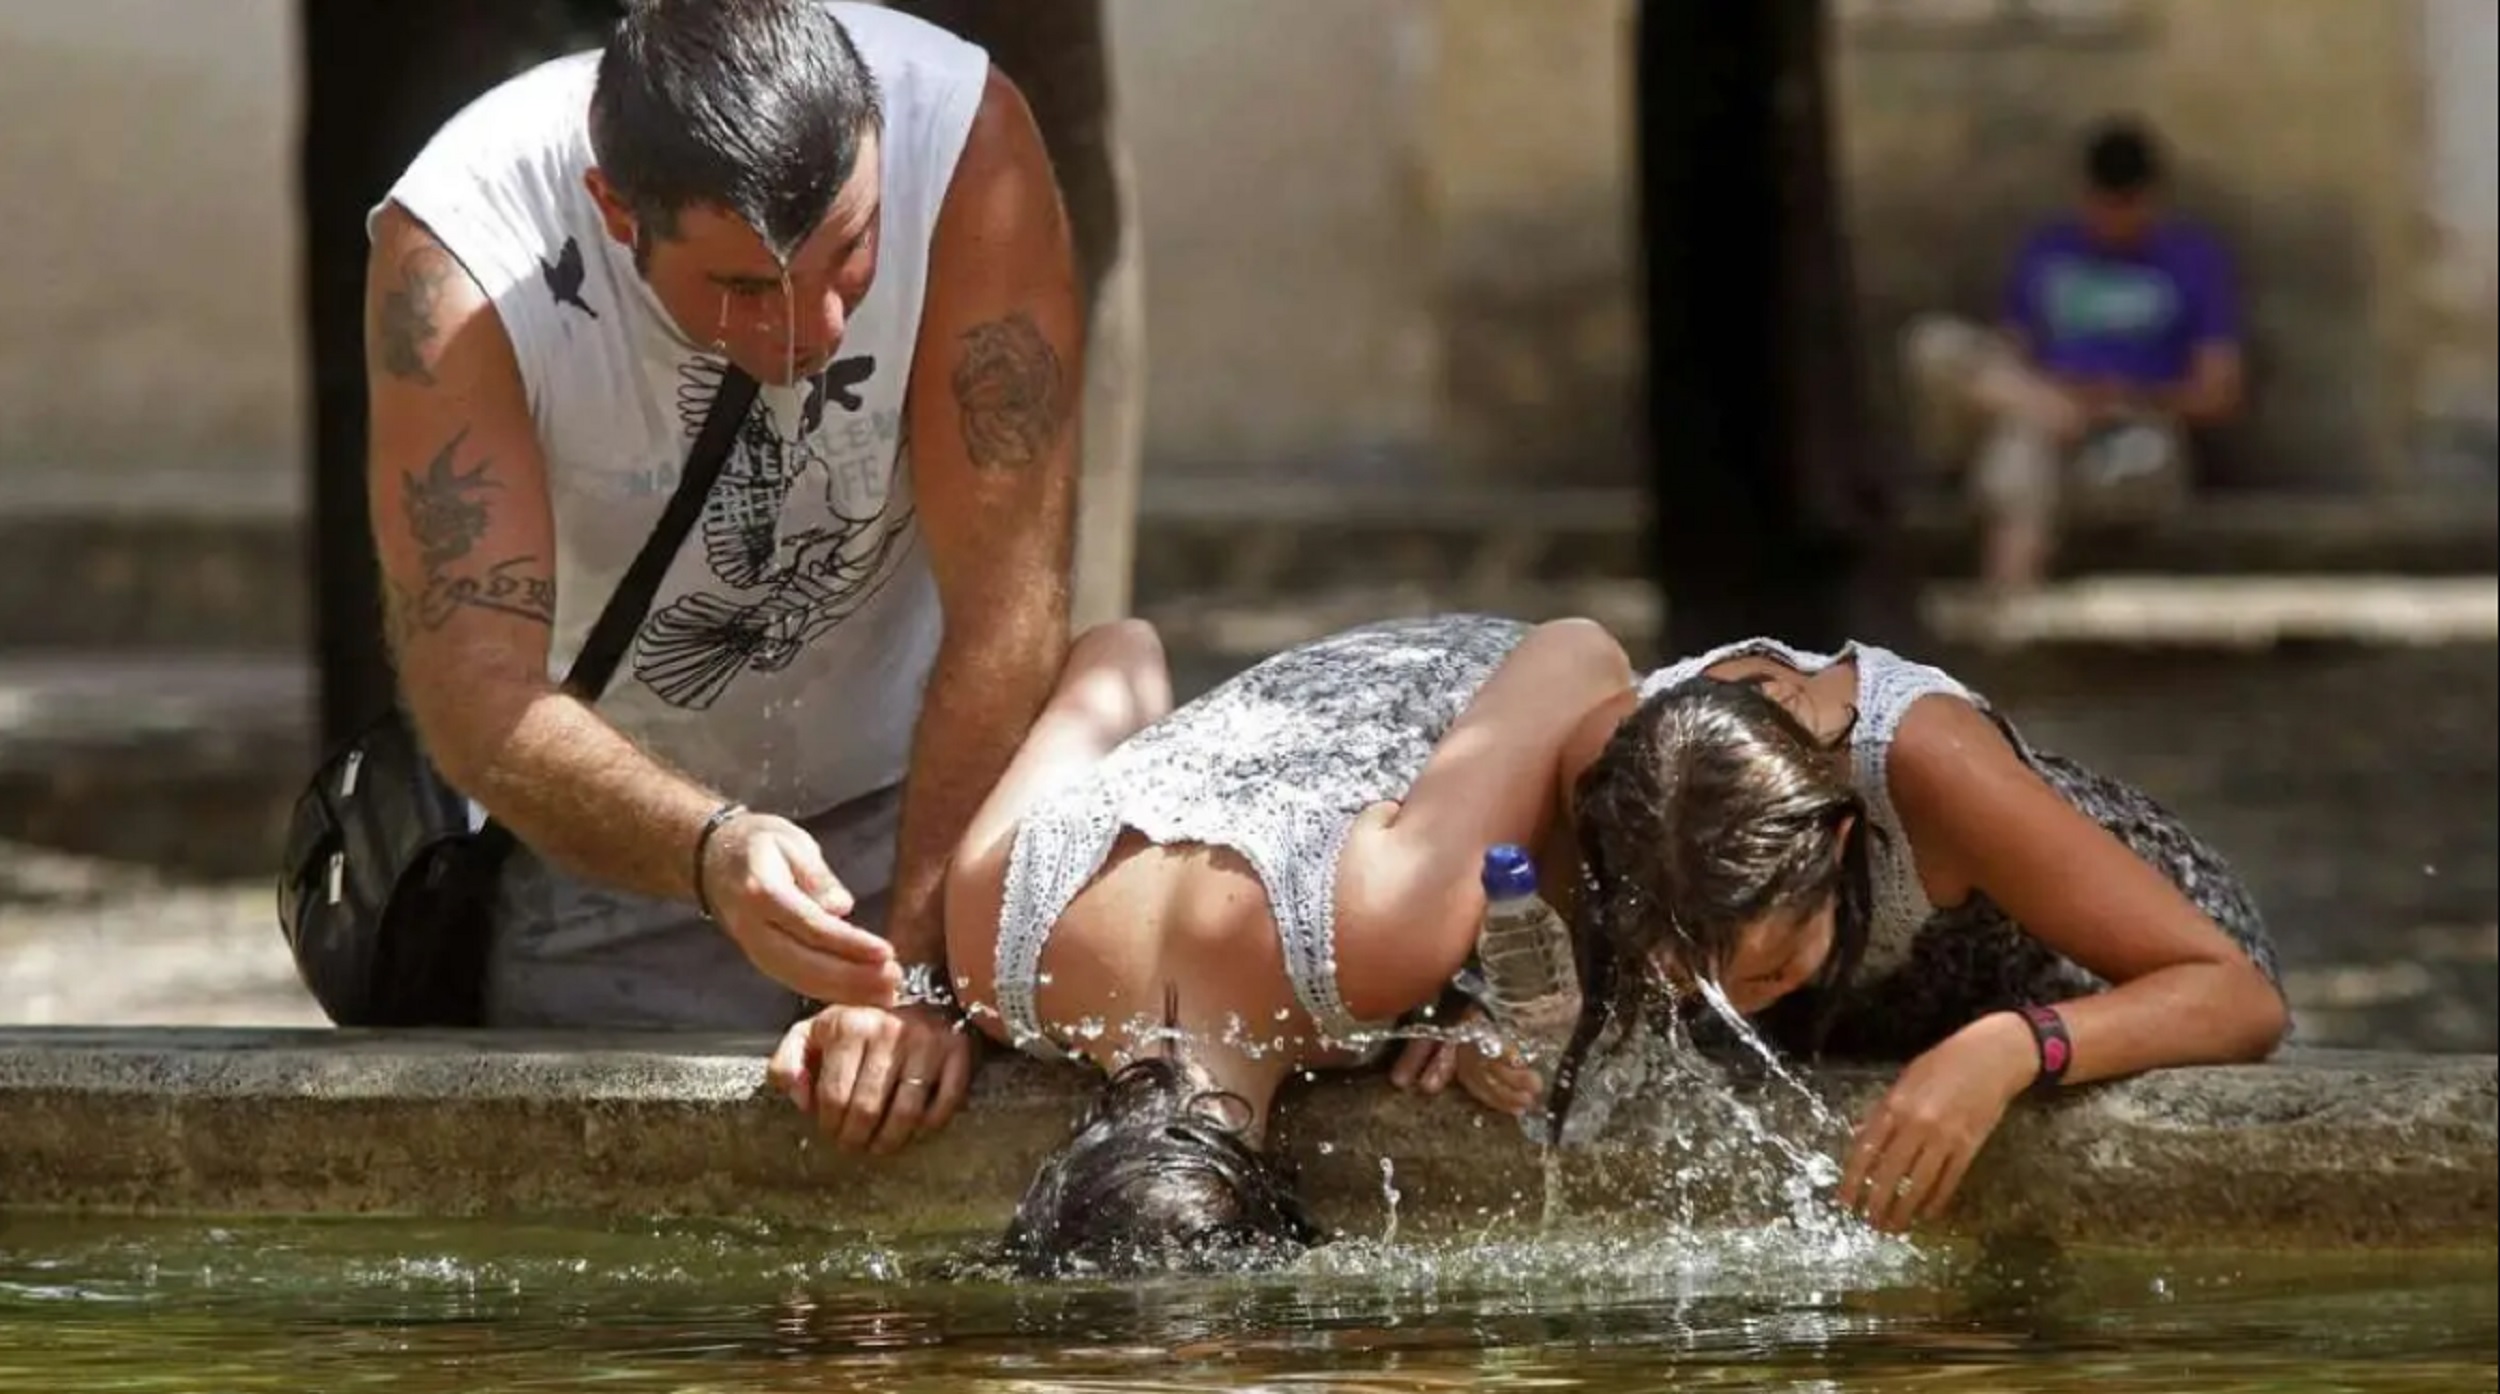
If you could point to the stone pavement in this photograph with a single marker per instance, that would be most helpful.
(2339, 742)
(104, 945)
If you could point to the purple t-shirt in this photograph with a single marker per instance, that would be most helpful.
(2136, 315)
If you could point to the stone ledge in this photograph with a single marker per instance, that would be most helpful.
(182, 760)
(2316, 1148)
(1255, 535)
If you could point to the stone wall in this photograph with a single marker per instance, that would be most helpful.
(1289, 316)
(2457, 395)
(2300, 131)
(1386, 241)
(2293, 127)
(149, 289)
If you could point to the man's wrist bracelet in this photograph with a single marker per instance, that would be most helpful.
(720, 818)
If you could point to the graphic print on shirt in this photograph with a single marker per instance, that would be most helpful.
(564, 277)
(777, 592)
(840, 381)
(2088, 298)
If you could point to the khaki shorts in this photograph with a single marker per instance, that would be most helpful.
(568, 954)
(1979, 410)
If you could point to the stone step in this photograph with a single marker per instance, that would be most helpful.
(154, 576)
(166, 571)
(182, 760)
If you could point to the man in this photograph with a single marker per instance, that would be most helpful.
(851, 206)
(2120, 331)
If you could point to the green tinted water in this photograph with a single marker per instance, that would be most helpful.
(110, 1307)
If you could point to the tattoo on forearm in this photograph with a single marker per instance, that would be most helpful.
(404, 326)
(1012, 391)
(516, 586)
(448, 511)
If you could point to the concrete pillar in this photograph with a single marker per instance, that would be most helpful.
(376, 85)
(1115, 419)
(1057, 52)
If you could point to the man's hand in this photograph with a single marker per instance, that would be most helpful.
(2095, 403)
(771, 891)
(1502, 1082)
(2070, 416)
(1917, 1142)
(875, 1078)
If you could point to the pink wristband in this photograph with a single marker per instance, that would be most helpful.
(2057, 1049)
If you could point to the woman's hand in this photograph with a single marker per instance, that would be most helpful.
(1915, 1145)
(1501, 1081)
(876, 1077)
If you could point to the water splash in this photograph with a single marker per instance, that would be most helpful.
(789, 328)
(1692, 1141)
(1550, 1163)
(1751, 1039)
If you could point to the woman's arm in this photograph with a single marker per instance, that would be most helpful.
(1408, 898)
(1978, 818)
(2183, 993)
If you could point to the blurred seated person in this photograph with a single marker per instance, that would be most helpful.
(2119, 335)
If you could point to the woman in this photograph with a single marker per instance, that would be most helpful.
(1203, 902)
(1862, 841)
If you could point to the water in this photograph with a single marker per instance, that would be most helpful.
(309, 1307)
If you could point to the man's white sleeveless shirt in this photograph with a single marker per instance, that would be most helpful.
(783, 659)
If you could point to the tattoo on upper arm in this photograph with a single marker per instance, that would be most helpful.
(448, 511)
(1012, 392)
(404, 329)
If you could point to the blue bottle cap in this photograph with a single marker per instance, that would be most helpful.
(1508, 874)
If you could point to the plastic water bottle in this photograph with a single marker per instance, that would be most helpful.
(1532, 987)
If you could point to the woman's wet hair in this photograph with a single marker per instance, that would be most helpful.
(1158, 1177)
(1711, 808)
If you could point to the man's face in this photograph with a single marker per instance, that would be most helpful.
(720, 281)
(2115, 219)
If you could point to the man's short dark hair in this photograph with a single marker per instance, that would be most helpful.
(754, 106)
(2121, 157)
